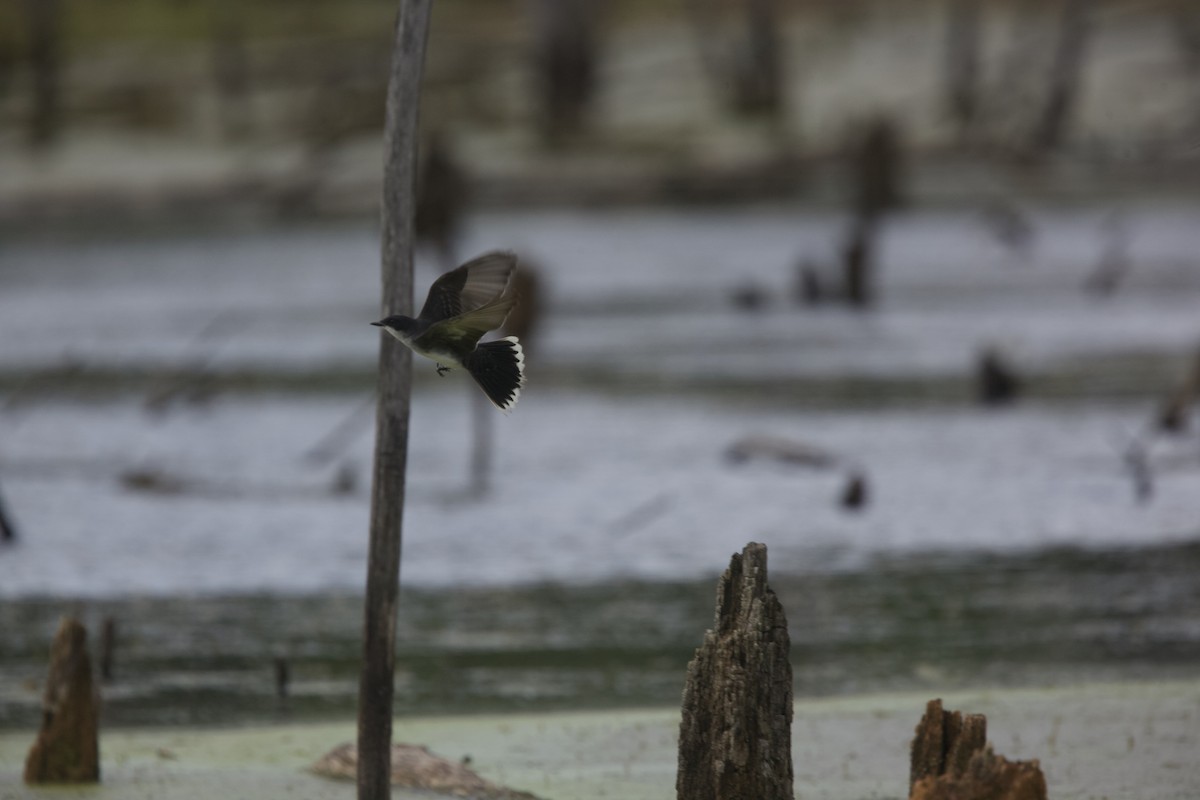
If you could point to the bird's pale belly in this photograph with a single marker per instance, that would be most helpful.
(443, 357)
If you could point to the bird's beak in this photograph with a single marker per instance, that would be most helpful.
(377, 324)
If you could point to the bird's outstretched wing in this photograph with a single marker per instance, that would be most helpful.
(467, 328)
(472, 286)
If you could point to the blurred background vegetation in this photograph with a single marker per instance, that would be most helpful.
(279, 104)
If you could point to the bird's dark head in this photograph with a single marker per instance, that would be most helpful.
(398, 324)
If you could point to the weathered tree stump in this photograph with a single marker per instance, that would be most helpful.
(951, 761)
(67, 749)
(987, 777)
(735, 739)
(945, 742)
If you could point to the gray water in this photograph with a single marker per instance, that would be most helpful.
(185, 443)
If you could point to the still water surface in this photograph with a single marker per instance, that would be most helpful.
(223, 527)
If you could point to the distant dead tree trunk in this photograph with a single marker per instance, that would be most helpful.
(1066, 74)
(747, 69)
(9, 60)
(758, 87)
(962, 63)
(44, 18)
(483, 435)
(996, 381)
(1186, 24)
(523, 322)
(714, 56)
(1186, 27)
(231, 74)
(856, 493)
(858, 264)
(8, 528)
(108, 649)
(807, 286)
(565, 45)
(377, 682)
(283, 678)
(877, 192)
(442, 197)
(879, 170)
(1114, 262)
(1173, 415)
(1137, 463)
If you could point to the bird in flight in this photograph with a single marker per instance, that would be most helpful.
(463, 305)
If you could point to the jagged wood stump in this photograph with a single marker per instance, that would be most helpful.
(67, 749)
(945, 742)
(951, 761)
(735, 739)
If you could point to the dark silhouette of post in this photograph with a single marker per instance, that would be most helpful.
(376, 687)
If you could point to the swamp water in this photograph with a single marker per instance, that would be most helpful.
(224, 528)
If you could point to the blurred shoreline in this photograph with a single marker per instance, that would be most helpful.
(170, 115)
(109, 185)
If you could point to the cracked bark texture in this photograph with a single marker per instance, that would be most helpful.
(951, 761)
(735, 738)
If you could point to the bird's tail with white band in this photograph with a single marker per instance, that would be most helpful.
(499, 369)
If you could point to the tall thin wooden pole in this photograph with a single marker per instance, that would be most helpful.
(376, 687)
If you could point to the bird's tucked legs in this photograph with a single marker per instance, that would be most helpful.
(441, 371)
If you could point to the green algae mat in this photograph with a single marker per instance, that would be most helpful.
(1094, 741)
